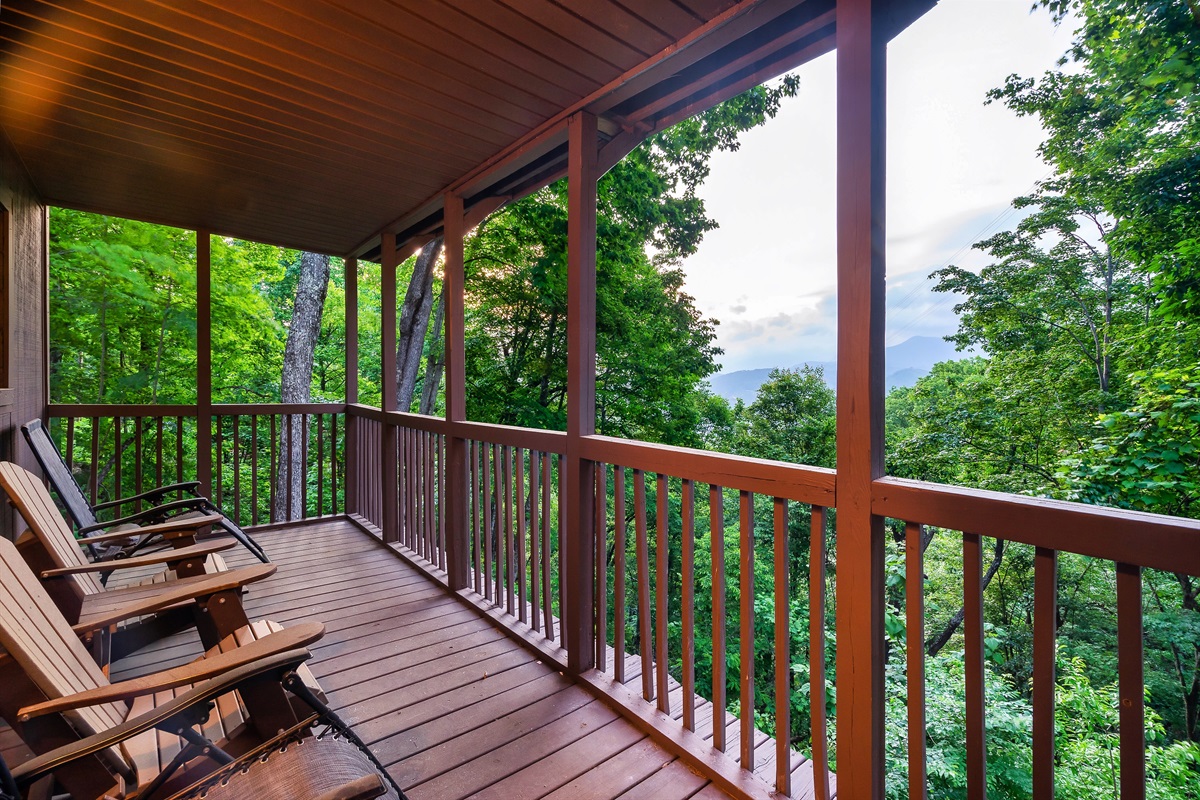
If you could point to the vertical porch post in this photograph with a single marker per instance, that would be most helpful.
(350, 452)
(204, 361)
(578, 543)
(860, 259)
(389, 453)
(456, 394)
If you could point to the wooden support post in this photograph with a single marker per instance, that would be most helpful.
(860, 257)
(350, 452)
(204, 361)
(457, 542)
(388, 452)
(579, 549)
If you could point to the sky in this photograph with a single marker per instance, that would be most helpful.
(954, 166)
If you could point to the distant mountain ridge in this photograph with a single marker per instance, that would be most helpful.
(906, 363)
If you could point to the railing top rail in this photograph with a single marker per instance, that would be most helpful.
(1156, 541)
(804, 484)
(509, 435)
(63, 410)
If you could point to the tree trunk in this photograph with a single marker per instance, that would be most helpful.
(295, 385)
(414, 322)
(436, 361)
(934, 644)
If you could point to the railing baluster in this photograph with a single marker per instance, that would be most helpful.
(783, 653)
(746, 627)
(138, 485)
(254, 469)
(430, 506)
(562, 532)
(688, 600)
(973, 643)
(440, 505)
(302, 463)
(237, 470)
(320, 464)
(474, 455)
(914, 610)
(498, 495)
(178, 451)
(70, 448)
(158, 446)
(547, 615)
(662, 554)
(816, 654)
(643, 583)
(274, 446)
(117, 492)
(219, 449)
(619, 574)
(601, 588)
(535, 617)
(521, 533)
(488, 495)
(1045, 624)
(93, 479)
(333, 464)
(1131, 682)
(716, 527)
(509, 557)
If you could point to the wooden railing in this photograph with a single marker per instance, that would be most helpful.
(121, 450)
(696, 493)
(1131, 541)
(514, 539)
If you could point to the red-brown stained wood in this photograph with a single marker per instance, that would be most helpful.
(488, 500)
(687, 512)
(137, 464)
(510, 572)
(118, 452)
(661, 612)
(93, 489)
(456, 536)
(575, 536)
(475, 520)
(535, 617)
(1045, 625)
(320, 464)
(1131, 684)
(861, 167)
(746, 625)
(716, 522)
(203, 361)
(499, 501)
(783, 653)
(600, 612)
(522, 532)
(914, 613)
(351, 474)
(619, 577)
(973, 656)
(389, 465)
(273, 444)
(547, 615)
(816, 654)
(254, 469)
(642, 545)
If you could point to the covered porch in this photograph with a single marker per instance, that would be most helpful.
(481, 636)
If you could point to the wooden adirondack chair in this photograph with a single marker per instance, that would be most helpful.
(83, 514)
(150, 735)
(71, 580)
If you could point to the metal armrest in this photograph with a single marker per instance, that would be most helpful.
(172, 529)
(186, 486)
(167, 509)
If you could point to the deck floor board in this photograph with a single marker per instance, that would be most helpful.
(450, 704)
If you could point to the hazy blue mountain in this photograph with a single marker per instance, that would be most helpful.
(905, 364)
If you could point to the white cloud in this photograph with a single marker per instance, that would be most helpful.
(954, 165)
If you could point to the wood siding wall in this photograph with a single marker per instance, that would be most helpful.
(24, 300)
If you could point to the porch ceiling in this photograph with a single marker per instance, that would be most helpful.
(318, 123)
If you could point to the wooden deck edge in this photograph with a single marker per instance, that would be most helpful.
(297, 523)
(691, 748)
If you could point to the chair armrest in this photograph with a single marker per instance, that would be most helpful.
(166, 509)
(186, 486)
(179, 591)
(201, 669)
(48, 762)
(204, 549)
(169, 530)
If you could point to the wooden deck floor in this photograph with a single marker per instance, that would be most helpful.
(447, 701)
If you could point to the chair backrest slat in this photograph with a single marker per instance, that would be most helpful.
(38, 638)
(37, 508)
(58, 472)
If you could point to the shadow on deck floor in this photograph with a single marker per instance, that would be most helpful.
(451, 705)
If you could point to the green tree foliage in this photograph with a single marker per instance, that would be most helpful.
(653, 347)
